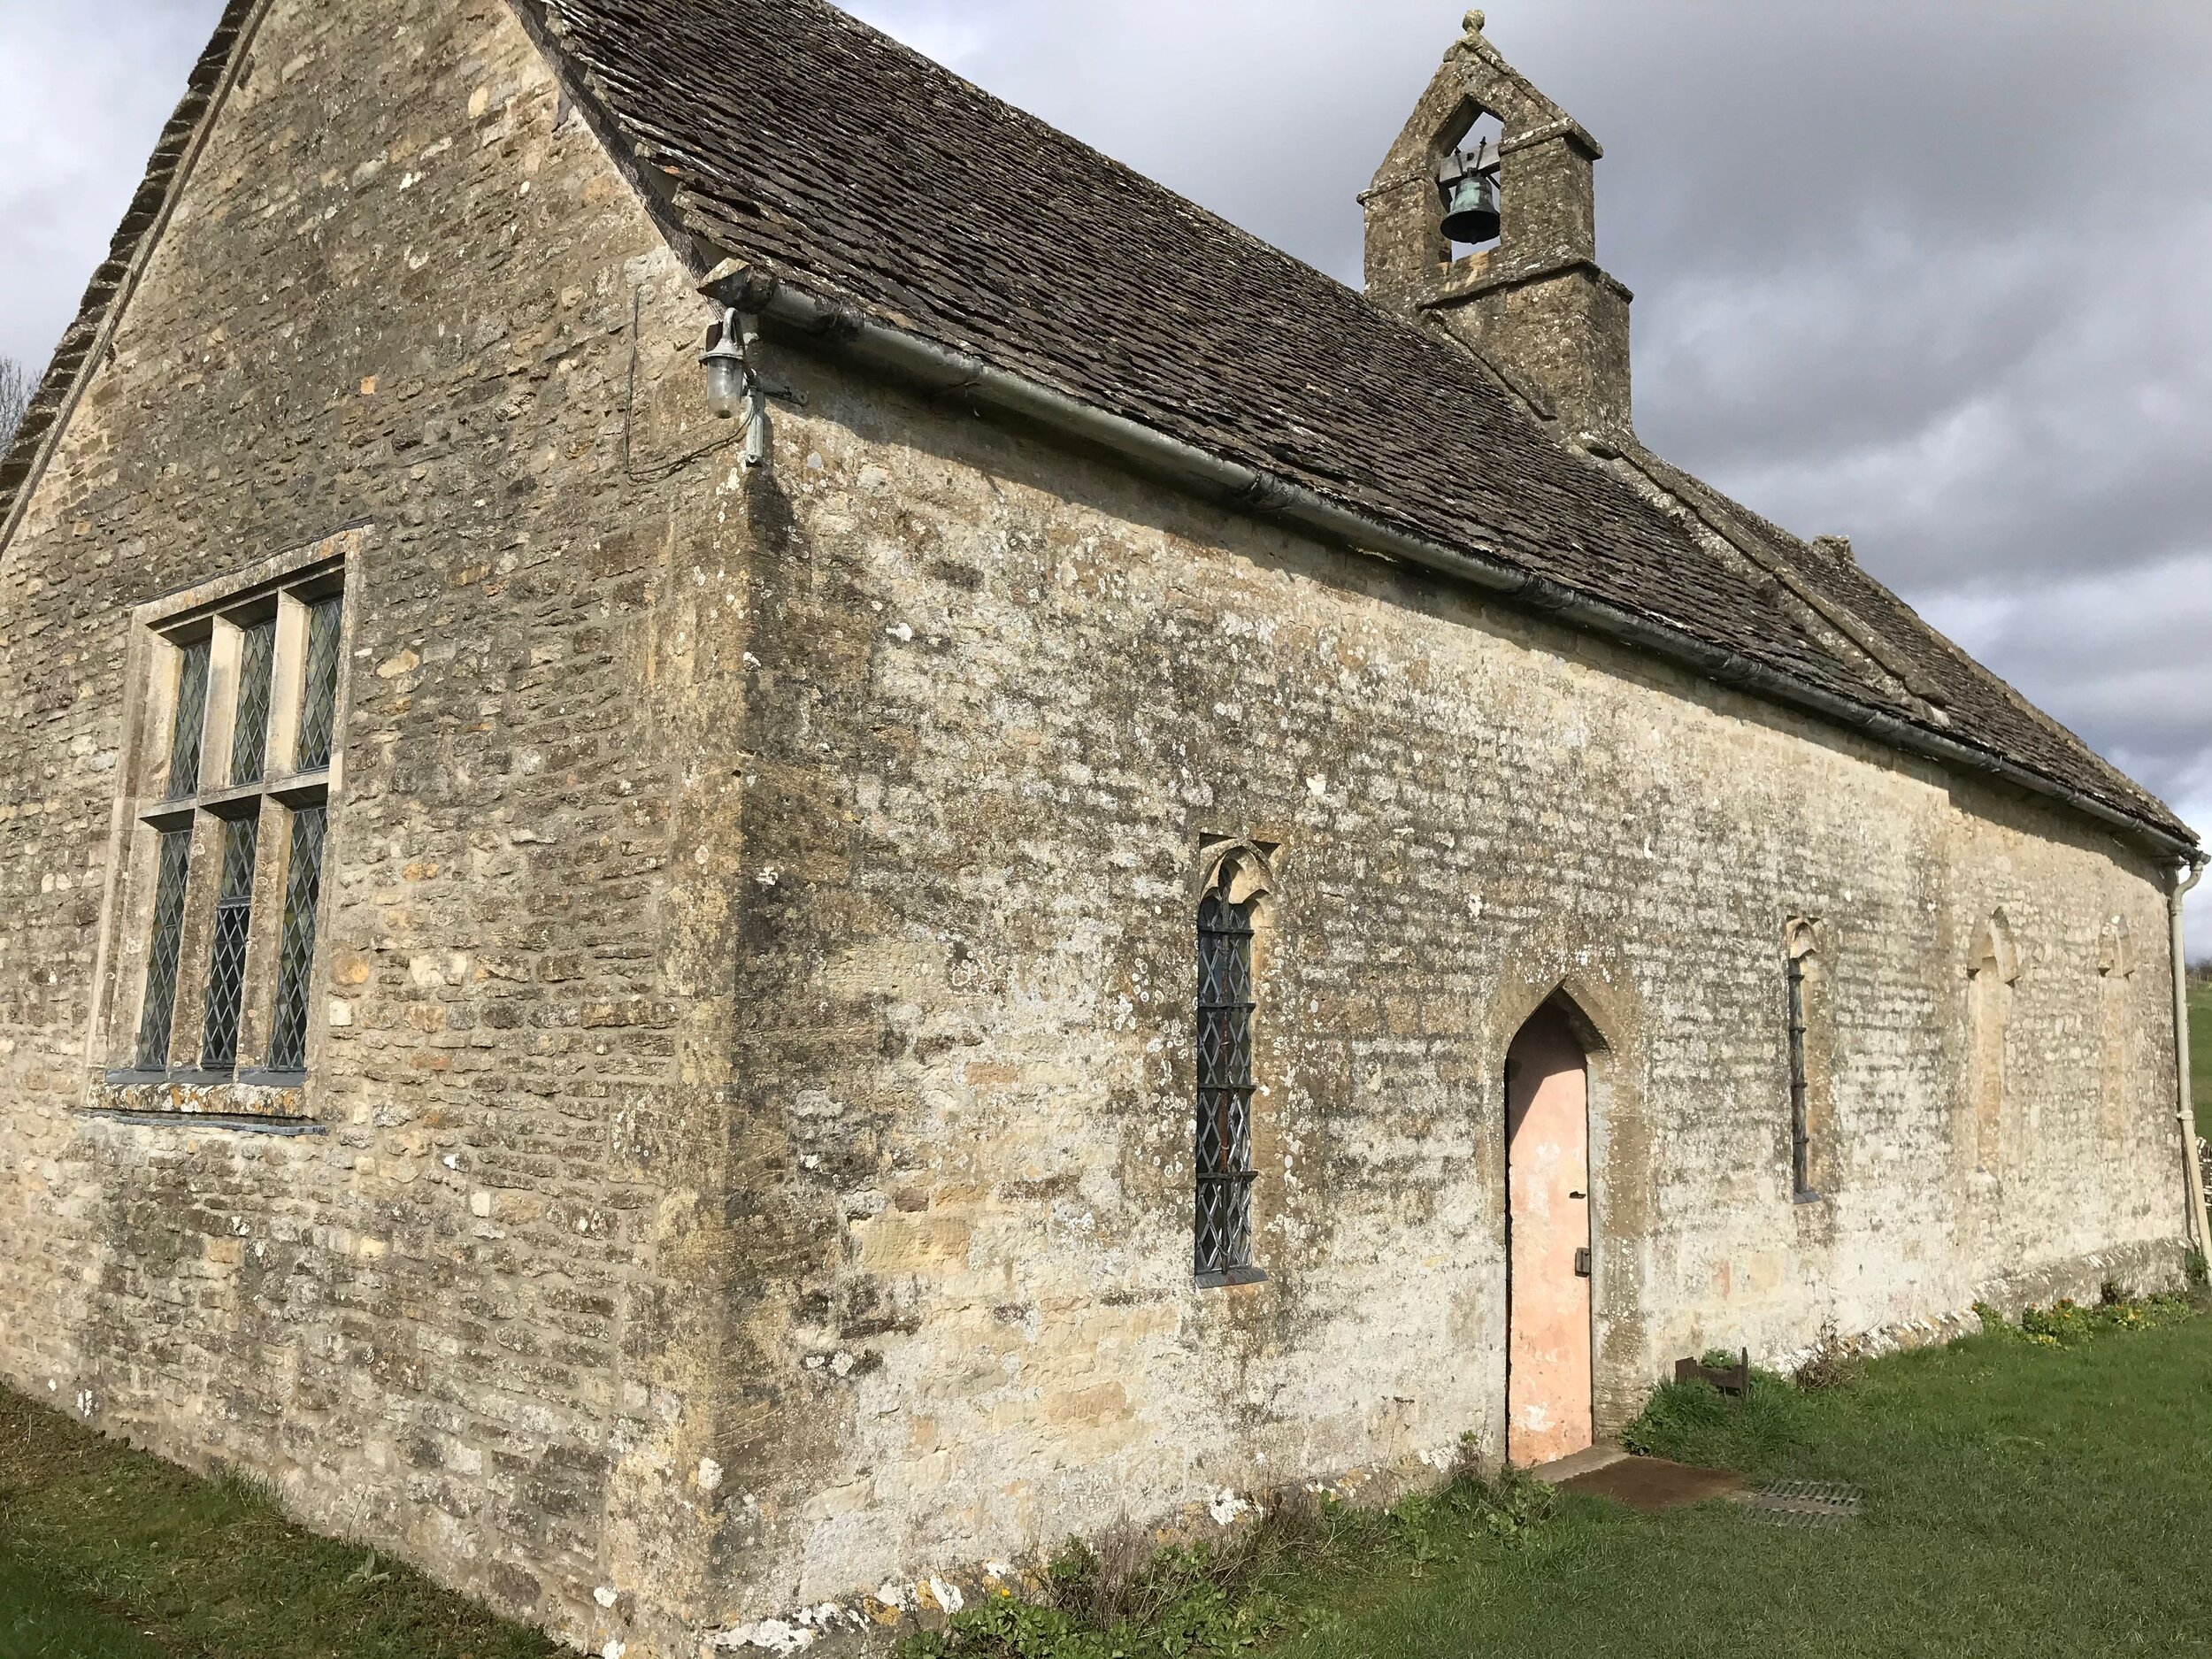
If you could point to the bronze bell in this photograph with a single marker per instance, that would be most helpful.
(1468, 180)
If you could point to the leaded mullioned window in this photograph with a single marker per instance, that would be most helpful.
(239, 804)
(1225, 1087)
(256, 667)
(191, 722)
(1801, 1127)
(318, 705)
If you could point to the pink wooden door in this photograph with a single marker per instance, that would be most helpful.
(1548, 1215)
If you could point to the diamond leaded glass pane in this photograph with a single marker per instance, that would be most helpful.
(184, 736)
(227, 961)
(1223, 1120)
(296, 960)
(318, 707)
(249, 733)
(173, 862)
(1801, 1128)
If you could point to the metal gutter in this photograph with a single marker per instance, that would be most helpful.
(846, 332)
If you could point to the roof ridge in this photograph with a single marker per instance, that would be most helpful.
(839, 18)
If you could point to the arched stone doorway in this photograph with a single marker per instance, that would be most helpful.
(1547, 1241)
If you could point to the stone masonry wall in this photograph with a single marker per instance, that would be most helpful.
(1007, 698)
(460, 1323)
(756, 1071)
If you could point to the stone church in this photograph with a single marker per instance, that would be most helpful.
(760, 836)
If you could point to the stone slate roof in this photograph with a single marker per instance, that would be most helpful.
(790, 136)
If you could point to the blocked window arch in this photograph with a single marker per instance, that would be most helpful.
(2116, 968)
(1239, 883)
(1993, 970)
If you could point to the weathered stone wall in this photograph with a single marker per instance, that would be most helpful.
(756, 1084)
(399, 288)
(1032, 690)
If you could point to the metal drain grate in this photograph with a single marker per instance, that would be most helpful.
(1804, 1503)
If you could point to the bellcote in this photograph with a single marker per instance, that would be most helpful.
(1534, 302)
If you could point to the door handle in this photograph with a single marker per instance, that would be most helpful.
(1582, 1262)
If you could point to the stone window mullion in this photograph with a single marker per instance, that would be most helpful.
(287, 684)
(222, 707)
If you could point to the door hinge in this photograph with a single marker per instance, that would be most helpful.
(1582, 1262)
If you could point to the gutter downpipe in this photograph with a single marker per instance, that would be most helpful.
(941, 371)
(2192, 1170)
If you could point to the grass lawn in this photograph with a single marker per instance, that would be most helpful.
(2020, 1499)
(108, 1554)
(2200, 1052)
(2046, 1491)
(2023, 1495)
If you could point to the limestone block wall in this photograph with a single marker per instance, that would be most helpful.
(1016, 698)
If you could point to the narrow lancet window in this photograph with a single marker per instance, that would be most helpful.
(173, 861)
(184, 739)
(1226, 1003)
(1801, 1123)
(226, 963)
(295, 955)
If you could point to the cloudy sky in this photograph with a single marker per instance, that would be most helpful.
(1933, 276)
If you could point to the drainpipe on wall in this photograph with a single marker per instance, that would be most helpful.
(2192, 1169)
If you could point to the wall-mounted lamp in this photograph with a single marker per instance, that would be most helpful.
(729, 372)
(735, 389)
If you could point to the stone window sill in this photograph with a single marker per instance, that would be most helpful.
(271, 1099)
(1234, 1276)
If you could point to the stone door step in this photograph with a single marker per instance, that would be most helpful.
(1582, 1462)
(1652, 1483)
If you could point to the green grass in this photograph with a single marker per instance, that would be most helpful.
(2023, 1497)
(2200, 1054)
(2043, 1490)
(108, 1554)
